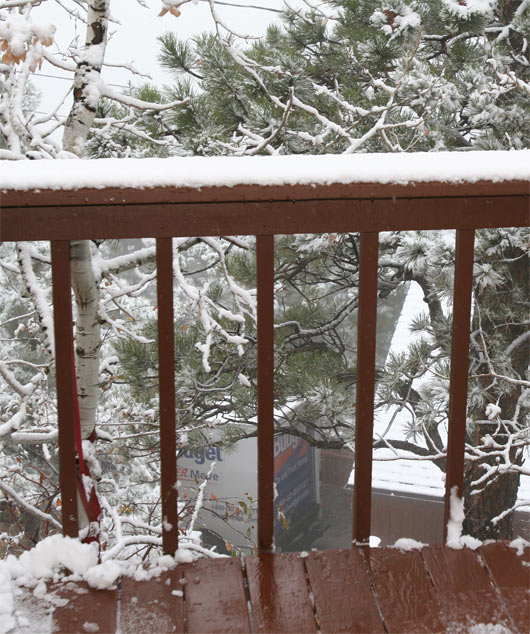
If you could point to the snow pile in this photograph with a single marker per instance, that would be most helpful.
(405, 544)
(49, 556)
(519, 545)
(103, 576)
(455, 539)
(57, 559)
(221, 171)
(7, 622)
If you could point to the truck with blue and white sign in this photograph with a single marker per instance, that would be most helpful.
(230, 498)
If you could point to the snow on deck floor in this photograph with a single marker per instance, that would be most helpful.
(197, 172)
(407, 587)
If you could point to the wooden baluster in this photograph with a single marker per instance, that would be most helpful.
(265, 298)
(64, 346)
(166, 373)
(463, 285)
(364, 412)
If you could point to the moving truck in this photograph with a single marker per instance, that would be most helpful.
(230, 496)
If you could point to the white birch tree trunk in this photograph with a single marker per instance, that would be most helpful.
(87, 334)
(86, 80)
(77, 128)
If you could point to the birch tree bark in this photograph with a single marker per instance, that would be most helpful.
(79, 122)
(86, 291)
(86, 80)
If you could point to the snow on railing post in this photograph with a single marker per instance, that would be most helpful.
(364, 409)
(455, 521)
(463, 285)
(64, 346)
(265, 292)
(166, 372)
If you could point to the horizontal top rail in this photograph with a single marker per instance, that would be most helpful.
(229, 195)
(129, 195)
(85, 214)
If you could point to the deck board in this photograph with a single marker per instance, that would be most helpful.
(436, 589)
(339, 581)
(279, 594)
(156, 602)
(86, 610)
(215, 597)
(404, 591)
(511, 574)
(464, 588)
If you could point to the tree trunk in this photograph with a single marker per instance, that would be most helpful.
(77, 128)
(79, 122)
(499, 320)
(498, 496)
(87, 334)
(86, 80)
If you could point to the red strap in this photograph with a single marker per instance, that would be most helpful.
(90, 503)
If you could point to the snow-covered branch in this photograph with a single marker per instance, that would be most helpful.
(37, 296)
(10, 492)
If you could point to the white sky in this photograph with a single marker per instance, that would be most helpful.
(135, 38)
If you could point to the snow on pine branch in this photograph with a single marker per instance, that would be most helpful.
(470, 8)
(509, 78)
(104, 90)
(205, 307)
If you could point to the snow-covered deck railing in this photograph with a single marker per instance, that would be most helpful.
(264, 197)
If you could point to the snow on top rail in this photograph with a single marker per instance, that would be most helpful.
(202, 172)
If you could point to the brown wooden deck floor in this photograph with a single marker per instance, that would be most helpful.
(436, 589)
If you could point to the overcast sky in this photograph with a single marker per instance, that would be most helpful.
(135, 38)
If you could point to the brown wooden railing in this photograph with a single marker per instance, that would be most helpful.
(263, 211)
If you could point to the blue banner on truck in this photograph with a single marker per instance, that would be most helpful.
(295, 478)
(230, 498)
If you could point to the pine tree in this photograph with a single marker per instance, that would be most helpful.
(427, 75)
(394, 76)
(347, 76)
